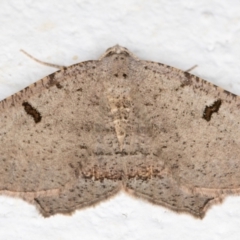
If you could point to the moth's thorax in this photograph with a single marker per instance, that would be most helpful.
(119, 100)
(116, 65)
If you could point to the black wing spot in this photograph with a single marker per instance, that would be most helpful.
(209, 110)
(188, 75)
(51, 80)
(188, 79)
(125, 75)
(58, 85)
(30, 110)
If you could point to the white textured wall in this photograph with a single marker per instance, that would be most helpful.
(178, 33)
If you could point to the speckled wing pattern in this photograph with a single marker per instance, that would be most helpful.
(83, 133)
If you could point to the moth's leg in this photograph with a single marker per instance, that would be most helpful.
(84, 193)
(190, 69)
(165, 191)
(44, 63)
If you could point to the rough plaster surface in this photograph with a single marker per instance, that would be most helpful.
(178, 33)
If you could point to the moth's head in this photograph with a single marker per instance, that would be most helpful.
(117, 50)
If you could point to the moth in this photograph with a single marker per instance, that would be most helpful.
(90, 130)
